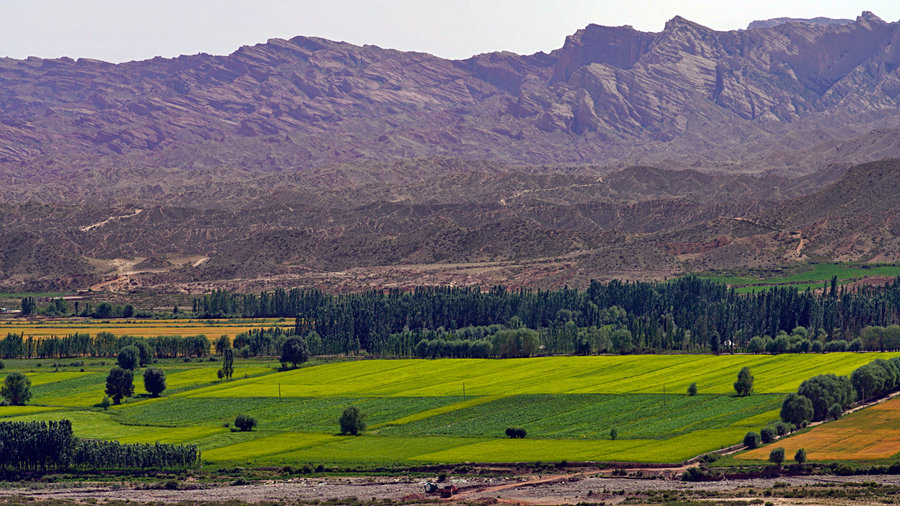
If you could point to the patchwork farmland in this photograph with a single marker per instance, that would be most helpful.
(438, 411)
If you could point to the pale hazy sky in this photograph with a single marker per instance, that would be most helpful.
(121, 30)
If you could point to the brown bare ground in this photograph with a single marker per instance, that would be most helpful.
(554, 489)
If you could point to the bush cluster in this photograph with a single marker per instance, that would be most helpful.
(244, 422)
(516, 432)
(352, 421)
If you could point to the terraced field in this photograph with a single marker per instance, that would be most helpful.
(870, 434)
(429, 411)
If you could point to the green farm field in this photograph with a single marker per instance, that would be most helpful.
(437, 411)
(813, 276)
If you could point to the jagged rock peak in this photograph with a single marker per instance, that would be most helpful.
(870, 17)
(618, 46)
(679, 22)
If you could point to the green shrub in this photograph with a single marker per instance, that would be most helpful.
(16, 389)
(294, 351)
(835, 411)
(244, 422)
(751, 440)
(129, 358)
(154, 381)
(516, 432)
(776, 456)
(693, 474)
(744, 384)
(796, 409)
(352, 421)
(119, 384)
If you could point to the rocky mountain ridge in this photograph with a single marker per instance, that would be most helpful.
(685, 97)
(769, 23)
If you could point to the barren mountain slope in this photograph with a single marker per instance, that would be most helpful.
(769, 97)
(545, 230)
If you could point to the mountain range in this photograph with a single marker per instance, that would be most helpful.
(308, 162)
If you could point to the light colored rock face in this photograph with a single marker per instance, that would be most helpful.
(686, 96)
(781, 73)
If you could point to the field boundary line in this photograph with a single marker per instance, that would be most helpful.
(440, 410)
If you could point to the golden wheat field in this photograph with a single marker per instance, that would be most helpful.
(870, 434)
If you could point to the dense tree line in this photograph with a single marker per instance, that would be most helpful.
(264, 342)
(59, 307)
(876, 379)
(51, 446)
(687, 314)
(93, 454)
(36, 445)
(102, 345)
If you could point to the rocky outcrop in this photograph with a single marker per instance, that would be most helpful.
(769, 23)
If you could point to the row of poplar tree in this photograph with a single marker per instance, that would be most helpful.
(101, 345)
(689, 314)
(51, 446)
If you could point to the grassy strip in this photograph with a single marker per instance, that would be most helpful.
(812, 276)
(437, 411)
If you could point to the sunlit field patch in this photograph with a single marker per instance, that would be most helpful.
(6, 411)
(870, 434)
(268, 445)
(546, 375)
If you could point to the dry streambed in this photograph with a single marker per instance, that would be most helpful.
(555, 489)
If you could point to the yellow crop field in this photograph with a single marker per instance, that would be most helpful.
(869, 434)
(22, 410)
(646, 374)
